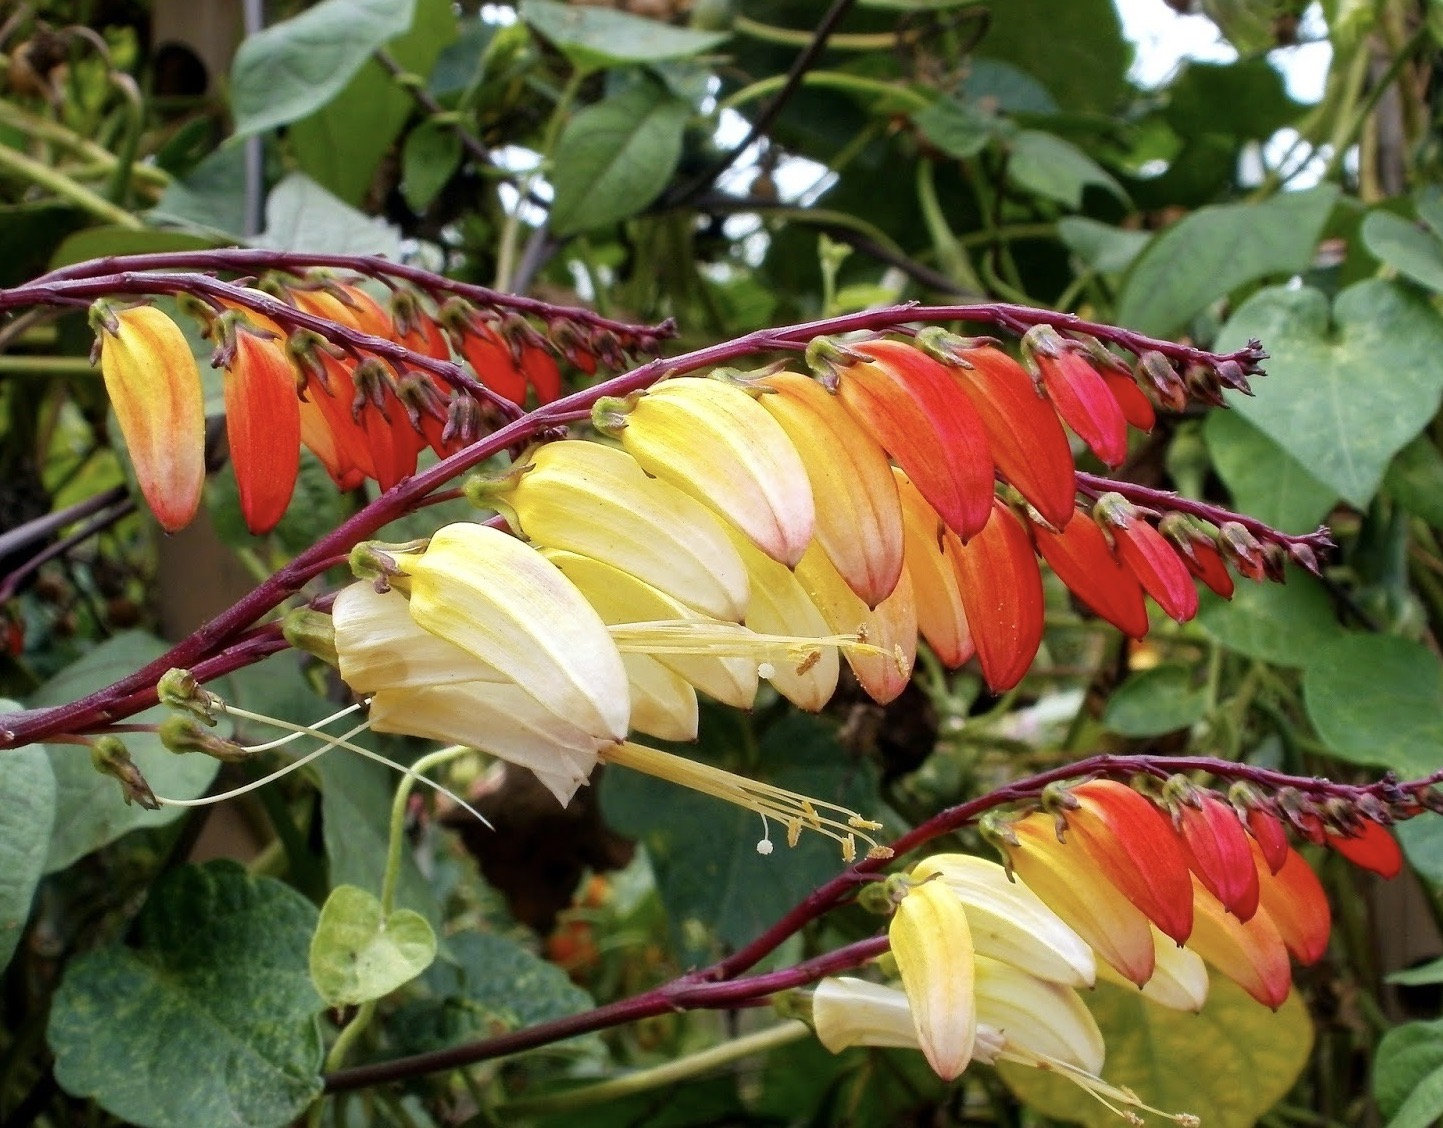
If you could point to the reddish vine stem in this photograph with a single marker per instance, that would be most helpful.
(137, 691)
(1095, 486)
(353, 340)
(245, 260)
(718, 986)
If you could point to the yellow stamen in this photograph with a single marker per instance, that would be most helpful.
(719, 639)
(1109, 1096)
(795, 812)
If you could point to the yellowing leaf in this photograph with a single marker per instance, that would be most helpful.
(1228, 1064)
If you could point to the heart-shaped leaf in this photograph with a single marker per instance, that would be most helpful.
(1346, 393)
(358, 953)
(1227, 1064)
(1266, 482)
(1283, 624)
(210, 1018)
(1378, 700)
(1408, 1075)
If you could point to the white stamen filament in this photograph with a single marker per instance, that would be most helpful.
(327, 743)
(1102, 1092)
(796, 812)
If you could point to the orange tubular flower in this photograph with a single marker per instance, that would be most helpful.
(1080, 393)
(1083, 560)
(1027, 441)
(927, 424)
(858, 518)
(263, 424)
(1154, 562)
(1001, 588)
(1251, 953)
(931, 550)
(1219, 852)
(1295, 901)
(1135, 848)
(490, 358)
(1067, 880)
(1199, 552)
(1137, 409)
(154, 386)
(541, 372)
(421, 333)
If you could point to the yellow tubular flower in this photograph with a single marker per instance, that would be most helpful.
(858, 522)
(713, 441)
(381, 647)
(890, 628)
(780, 606)
(1043, 1018)
(1009, 921)
(856, 1012)
(620, 597)
(932, 944)
(594, 500)
(507, 605)
(663, 703)
(1179, 980)
(941, 618)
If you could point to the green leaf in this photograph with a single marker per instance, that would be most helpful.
(355, 816)
(1228, 1064)
(1415, 480)
(1046, 165)
(210, 198)
(1077, 49)
(431, 155)
(343, 143)
(593, 38)
(1247, 99)
(27, 812)
(294, 67)
(1422, 842)
(616, 156)
(1104, 248)
(1421, 976)
(958, 128)
(357, 954)
(89, 808)
(303, 216)
(1284, 624)
(210, 1018)
(1411, 250)
(1265, 481)
(1155, 701)
(1214, 250)
(1378, 700)
(708, 871)
(510, 986)
(1342, 395)
(108, 239)
(1408, 1075)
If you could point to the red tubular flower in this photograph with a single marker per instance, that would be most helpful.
(1001, 588)
(541, 372)
(930, 555)
(1136, 408)
(263, 425)
(1084, 561)
(154, 385)
(1027, 442)
(487, 353)
(1135, 848)
(929, 427)
(1294, 899)
(1153, 561)
(1199, 552)
(1251, 953)
(421, 333)
(1219, 853)
(1269, 836)
(1372, 847)
(1079, 392)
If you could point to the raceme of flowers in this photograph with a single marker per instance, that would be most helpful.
(1100, 882)
(362, 417)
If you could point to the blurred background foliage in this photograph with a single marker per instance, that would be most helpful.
(727, 164)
